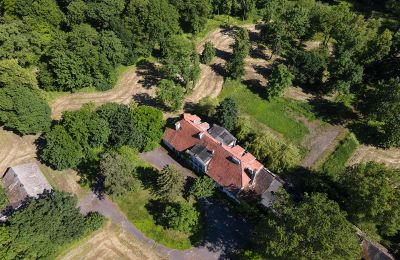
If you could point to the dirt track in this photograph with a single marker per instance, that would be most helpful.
(390, 157)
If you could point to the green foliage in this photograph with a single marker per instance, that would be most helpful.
(277, 154)
(315, 228)
(227, 113)
(123, 131)
(182, 216)
(60, 150)
(170, 183)
(43, 226)
(23, 110)
(76, 62)
(208, 53)
(280, 79)
(370, 194)
(94, 221)
(241, 48)
(308, 67)
(181, 61)
(86, 127)
(203, 187)
(46, 10)
(118, 173)
(336, 162)
(12, 74)
(285, 24)
(150, 123)
(384, 107)
(193, 14)
(170, 94)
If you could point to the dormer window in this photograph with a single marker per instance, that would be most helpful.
(201, 134)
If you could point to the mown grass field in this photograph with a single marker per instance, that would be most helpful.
(278, 114)
(336, 162)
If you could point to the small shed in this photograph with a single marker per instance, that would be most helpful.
(25, 180)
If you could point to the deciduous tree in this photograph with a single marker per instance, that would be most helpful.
(370, 194)
(202, 187)
(280, 79)
(181, 216)
(60, 150)
(208, 53)
(314, 228)
(170, 94)
(24, 110)
(150, 123)
(181, 61)
(241, 48)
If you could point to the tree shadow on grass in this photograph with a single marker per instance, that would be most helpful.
(148, 177)
(365, 133)
(332, 112)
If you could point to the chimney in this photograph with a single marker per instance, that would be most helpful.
(177, 126)
(201, 134)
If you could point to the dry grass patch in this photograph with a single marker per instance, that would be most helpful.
(110, 242)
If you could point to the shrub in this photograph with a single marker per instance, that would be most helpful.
(183, 217)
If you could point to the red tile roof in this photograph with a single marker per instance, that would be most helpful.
(221, 167)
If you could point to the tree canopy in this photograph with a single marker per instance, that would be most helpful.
(118, 173)
(227, 114)
(370, 194)
(314, 228)
(170, 182)
(43, 225)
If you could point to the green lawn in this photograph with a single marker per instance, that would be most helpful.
(336, 162)
(278, 114)
(134, 206)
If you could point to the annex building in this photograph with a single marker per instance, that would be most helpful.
(22, 181)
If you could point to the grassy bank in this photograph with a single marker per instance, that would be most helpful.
(278, 114)
(336, 162)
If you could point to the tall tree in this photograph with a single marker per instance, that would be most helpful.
(227, 114)
(181, 61)
(208, 53)
(118, 173)
(60, 150)
(315, 228)
(241, 48)
(193, 14)
(280, 79)
(150, 123)
(43, 226)
(384, 107)
(170, 94)
(24, 110)
(202, 187)
(170, 182)
(122, 128)
(370, 194)
(181, 216)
